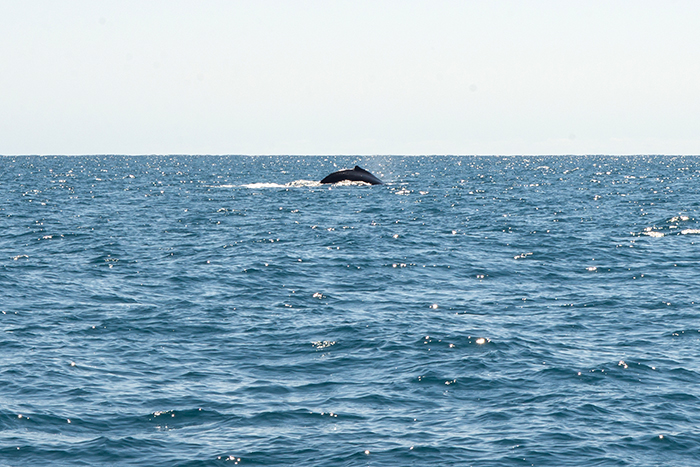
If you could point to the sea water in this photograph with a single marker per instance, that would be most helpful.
(487, 311)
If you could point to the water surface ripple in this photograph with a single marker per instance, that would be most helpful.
(496, 311)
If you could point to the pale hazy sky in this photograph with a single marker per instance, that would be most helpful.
(349, 77)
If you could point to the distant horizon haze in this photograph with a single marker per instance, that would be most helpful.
(498, 77)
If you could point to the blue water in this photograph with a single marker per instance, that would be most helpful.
(487, 311)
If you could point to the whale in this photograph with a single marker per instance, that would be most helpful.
(357, 174)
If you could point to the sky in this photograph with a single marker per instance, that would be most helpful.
(349, 77)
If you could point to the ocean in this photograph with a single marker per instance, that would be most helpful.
(231, 310)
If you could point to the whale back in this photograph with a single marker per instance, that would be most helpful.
(357, 174)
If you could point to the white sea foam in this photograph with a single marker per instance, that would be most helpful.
(294, 184)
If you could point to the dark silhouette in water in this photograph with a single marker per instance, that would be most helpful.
(358, 174)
